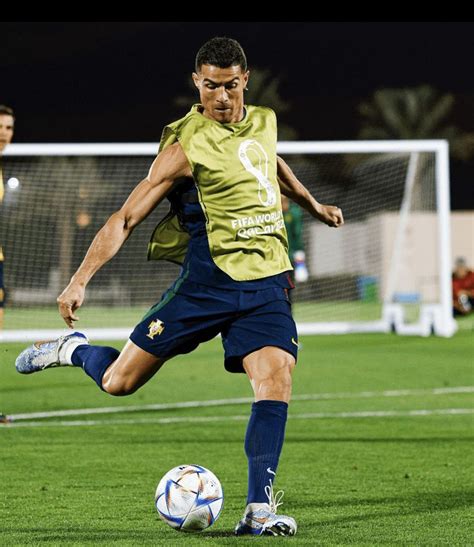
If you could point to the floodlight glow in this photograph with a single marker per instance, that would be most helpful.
(13, 183)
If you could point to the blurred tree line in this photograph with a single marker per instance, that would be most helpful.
(414, 113)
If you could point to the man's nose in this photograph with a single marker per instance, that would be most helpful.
(222, 95)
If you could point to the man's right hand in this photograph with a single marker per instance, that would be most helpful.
(69, 301)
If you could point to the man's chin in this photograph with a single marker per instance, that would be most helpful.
(224, 116)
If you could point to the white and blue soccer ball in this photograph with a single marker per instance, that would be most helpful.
(189, 498)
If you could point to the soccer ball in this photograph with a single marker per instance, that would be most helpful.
(189, 498)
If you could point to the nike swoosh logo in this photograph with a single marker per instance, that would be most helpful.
(269, 470)
(294, 341)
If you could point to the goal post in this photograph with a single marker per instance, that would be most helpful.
(387, 269)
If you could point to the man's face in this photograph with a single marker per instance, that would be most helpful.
(221, 92)
(461, 270)
(6, 130)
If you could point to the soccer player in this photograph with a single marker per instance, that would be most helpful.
(7, 123)
(219, 169)
(293, 217)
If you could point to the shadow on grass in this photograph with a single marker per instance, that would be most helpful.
(426, 502)
(381, 440)
(137, 537)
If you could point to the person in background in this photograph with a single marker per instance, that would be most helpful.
(7, 122)
(463, 288)
(293, 217)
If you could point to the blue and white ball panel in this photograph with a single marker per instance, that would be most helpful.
(189, 498)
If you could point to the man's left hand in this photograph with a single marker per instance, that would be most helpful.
(331, 215)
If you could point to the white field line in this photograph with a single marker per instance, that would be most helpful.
(238, 401)
(208, 419)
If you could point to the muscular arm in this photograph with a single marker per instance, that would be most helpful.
(291, 187)
(168, 166)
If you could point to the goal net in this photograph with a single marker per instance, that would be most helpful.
(387, 269)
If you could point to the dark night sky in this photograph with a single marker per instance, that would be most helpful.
(115, 81)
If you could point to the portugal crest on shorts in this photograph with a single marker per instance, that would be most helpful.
(154, 328)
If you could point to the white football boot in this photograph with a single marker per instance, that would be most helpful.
(261, 518)
(50, 353)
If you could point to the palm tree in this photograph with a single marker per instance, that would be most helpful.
(414, 113)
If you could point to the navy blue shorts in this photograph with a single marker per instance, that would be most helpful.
(247, 321)
(2, 288)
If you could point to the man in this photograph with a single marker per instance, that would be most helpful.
(7, 122)
(463, 288)
(293, 217)
(218, 167)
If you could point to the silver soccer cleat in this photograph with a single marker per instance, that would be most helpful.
(261, 519)
(45, 354)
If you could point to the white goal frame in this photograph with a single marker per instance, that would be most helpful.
(433, 318)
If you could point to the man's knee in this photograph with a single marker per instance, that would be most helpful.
(274, 379)
(279, 380)
(119, 386)
(130, 371)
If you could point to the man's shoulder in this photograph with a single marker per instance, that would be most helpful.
(190, 123)
(253, 109)
(193, 114)
(174, 131)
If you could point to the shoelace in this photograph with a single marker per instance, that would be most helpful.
(274, 500)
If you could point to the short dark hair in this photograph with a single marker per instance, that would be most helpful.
(222, 52)
(6, 111)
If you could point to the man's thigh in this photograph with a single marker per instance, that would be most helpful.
(270, 324)
(180, 322)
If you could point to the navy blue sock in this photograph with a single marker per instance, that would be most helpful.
(95, 360)
(263, 444)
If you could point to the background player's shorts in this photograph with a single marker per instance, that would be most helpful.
(247, 320)
(2, 288)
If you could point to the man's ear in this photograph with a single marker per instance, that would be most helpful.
(246, 78)
(196, 80)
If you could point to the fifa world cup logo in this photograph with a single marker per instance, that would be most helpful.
(255, 160)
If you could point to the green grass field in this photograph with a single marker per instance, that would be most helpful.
(97, 316)
(127, 317)
(399, 478)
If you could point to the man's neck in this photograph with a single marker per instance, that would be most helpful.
(243, 113)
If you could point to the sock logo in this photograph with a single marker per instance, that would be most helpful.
(269, 470)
